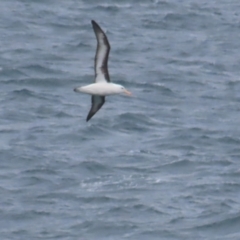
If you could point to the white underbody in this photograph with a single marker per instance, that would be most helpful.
(100, 89)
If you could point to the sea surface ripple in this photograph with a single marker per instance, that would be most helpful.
(163, 164)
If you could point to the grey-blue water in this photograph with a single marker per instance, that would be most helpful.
(163, 164)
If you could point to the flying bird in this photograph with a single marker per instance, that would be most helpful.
(102, 86)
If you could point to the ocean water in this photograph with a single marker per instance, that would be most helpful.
(163, 164)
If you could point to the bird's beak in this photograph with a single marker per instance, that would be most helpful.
(127, 92)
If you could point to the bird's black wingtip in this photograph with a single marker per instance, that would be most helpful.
(88, 117)
(95, 24)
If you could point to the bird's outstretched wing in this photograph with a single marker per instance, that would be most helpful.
(101, 57)
(97, 102)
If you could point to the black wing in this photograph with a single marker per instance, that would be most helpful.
(97, 102)
(101, 57)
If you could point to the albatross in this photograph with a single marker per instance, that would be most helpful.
(102, 86)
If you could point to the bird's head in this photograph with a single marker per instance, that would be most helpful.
(123, 90)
